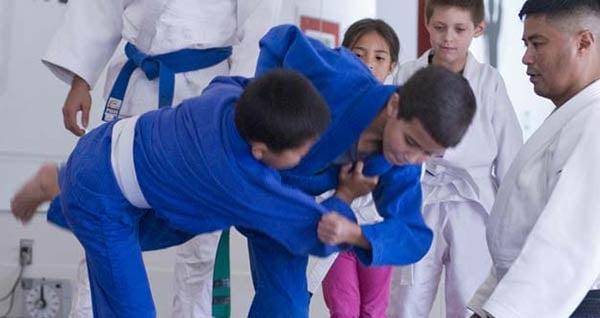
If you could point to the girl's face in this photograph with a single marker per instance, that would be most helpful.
(374, 51)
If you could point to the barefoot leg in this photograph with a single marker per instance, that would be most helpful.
(41, 188)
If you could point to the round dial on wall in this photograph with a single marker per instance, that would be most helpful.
(43, 301)
(45, 298)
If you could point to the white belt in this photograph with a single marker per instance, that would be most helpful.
(452, 185)
(438, 166)
(121, 160)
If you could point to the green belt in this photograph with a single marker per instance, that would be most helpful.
(221, 305)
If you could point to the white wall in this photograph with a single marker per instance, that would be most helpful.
(341, 11)
(402, 16)
(30, 133)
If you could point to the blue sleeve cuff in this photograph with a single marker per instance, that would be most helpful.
(336, 204)
(367, 257)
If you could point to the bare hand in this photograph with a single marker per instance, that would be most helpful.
(335, 229)
(78, 100)
(353, 183)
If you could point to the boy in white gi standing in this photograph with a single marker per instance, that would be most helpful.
(459, 188)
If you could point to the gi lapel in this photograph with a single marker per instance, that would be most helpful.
(544, 135)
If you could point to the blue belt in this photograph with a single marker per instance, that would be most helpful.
(164, 67)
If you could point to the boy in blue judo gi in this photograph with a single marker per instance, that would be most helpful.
(128, 187)
(389, 129)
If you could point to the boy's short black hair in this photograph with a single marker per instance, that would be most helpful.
(475, 7)
(558, 8)
(441, 100)
(281, 109)
(364, 26)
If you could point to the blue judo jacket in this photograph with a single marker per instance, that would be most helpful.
(355, 97)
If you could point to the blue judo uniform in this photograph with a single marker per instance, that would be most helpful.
(355, 98)
(197, 174)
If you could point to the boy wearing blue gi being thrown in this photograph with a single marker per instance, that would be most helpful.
(127, 187)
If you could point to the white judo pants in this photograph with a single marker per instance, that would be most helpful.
(459, 246)
(193, 282)
(194, 264)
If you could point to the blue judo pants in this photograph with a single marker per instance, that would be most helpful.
(112, 231)
(279, 279)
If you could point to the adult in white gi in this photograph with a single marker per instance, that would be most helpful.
(83, 46)
(458, 194)
(543, 228)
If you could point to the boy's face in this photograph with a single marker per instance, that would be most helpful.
(374, 51)
(406, 142)
(281, 160)
(451, 31)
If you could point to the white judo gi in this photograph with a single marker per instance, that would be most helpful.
(89, 36)
(543, 230)
(458, 193)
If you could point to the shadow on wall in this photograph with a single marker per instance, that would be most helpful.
(492, 32)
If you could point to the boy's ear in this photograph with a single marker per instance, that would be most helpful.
(258, 149)
(392, 106)
(480, 28)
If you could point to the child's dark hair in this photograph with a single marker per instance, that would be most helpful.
(441, 100)
(559, 8)
(475, 7)
(364, 26)
(281, 109)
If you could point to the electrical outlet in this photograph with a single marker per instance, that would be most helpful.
(25, 252)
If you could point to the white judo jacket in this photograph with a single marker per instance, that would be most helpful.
(543, 231)
(92, 31)
(474, 168)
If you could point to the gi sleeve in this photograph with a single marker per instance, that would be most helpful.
(314, 184)
(334, 204)
(507, 130)
(86, 40)
(482, 294)
(560, 259)
(291, 217)
(254, 18)
(402, 237)
(296, 228)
